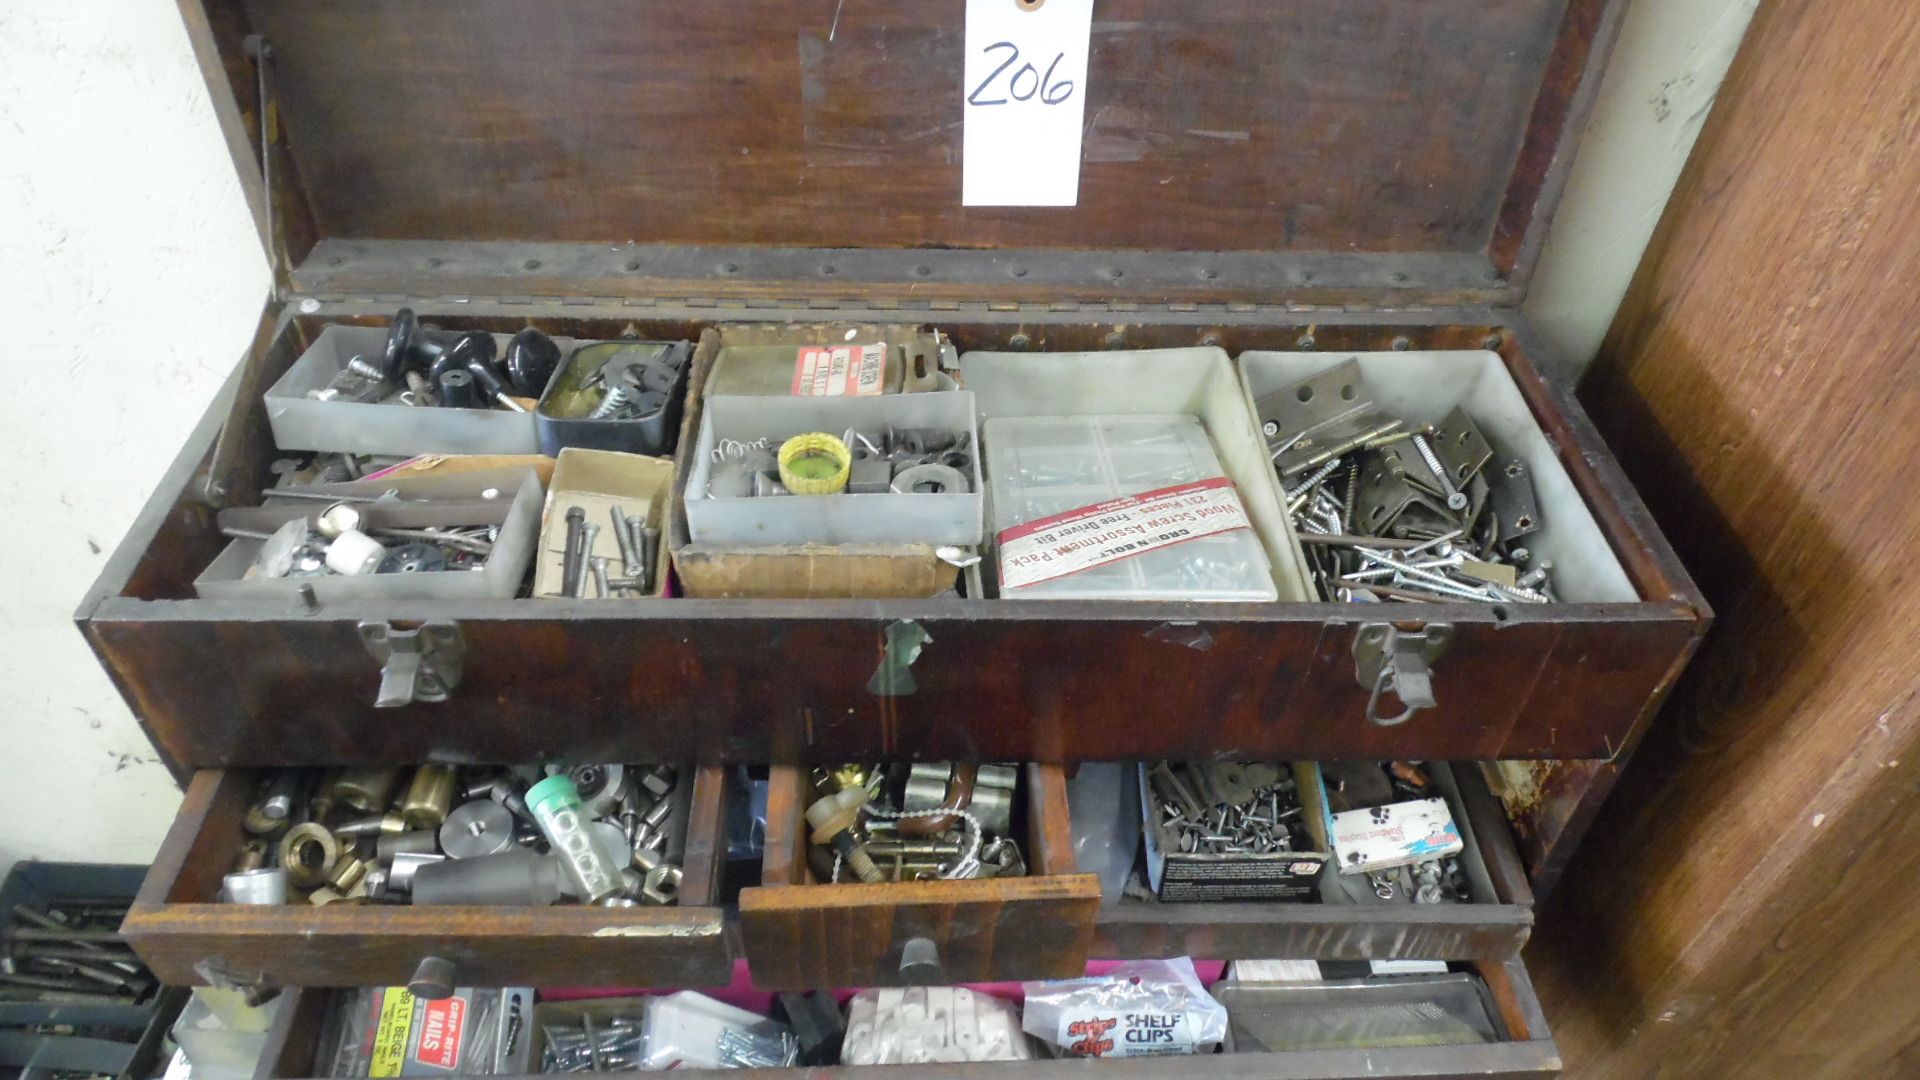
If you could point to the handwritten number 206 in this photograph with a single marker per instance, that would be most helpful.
(1025, 82)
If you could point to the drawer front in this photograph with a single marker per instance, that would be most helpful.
(185, 936)
(293, 1047)
(1495, 929)
(800, 935)
(988, 680)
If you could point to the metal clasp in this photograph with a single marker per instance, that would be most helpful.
(423, 664)
(1389, 660)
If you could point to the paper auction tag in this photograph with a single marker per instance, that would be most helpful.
(840, 371)
(1025, 99)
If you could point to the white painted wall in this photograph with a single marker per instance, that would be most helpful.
(130, 281)
(1659, 87)
(130, 278)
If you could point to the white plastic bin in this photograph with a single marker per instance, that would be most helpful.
(780, 520)
(498, 578)
(1422, 388)
(1198, 382)
(357, 427)
(1043, 466)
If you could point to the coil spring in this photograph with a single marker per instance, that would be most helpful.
(617, 399)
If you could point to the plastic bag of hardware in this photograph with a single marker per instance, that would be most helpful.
(386, 1031)
(1140, 1008)
(693, 1031)
(920, 1024)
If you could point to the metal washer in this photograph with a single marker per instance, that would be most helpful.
(930, 479)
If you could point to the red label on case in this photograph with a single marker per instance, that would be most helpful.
(442, 1030)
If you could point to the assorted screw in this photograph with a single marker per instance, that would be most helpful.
(451, 835)
(1227, 809)
(615, 1044)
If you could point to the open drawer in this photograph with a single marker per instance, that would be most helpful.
(802, 934)
(1495, 925)
(178, 926)
(294, 1050)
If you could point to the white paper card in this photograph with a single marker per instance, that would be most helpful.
(1024, 101)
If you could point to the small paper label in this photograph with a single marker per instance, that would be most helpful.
(1024, 98)
(1126, 1033)
(840, 371)
(1122, 528)
(443, 1026)
(391, 1032)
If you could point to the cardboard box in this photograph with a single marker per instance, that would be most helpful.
(1203, 877)
(803, 571)
(1394, 835)
(554, 1015)
(596, 481)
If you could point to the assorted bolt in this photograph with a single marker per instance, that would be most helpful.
(68, 949)
(638, 545)
(1226, 809)
(614, 1044)
(469, 836)
(921, 821)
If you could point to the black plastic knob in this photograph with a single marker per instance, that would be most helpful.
(532, 357)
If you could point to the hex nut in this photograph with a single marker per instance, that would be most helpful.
(662, 885)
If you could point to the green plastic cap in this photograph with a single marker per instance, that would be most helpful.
(552, 794)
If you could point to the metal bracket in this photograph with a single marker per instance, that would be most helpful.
(423, 664)
(1389, 660)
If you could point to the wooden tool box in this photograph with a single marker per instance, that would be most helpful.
(1361, 176)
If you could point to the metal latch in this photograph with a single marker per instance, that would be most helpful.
(422, 664)
(904, 641)
(1389, 660)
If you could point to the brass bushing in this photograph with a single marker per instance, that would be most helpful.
(429, 796)
(308, 853)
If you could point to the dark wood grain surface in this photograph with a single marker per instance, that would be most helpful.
(1387, 126)
(1744, 905)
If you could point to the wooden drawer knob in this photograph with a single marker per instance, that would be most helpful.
(920, 962)
(432, 980)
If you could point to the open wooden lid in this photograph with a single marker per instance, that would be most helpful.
(1368, 153)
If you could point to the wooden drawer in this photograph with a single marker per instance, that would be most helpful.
(293, 1046)
(225, 683)
(186, 936)
(799, 934)
(1493, 930)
